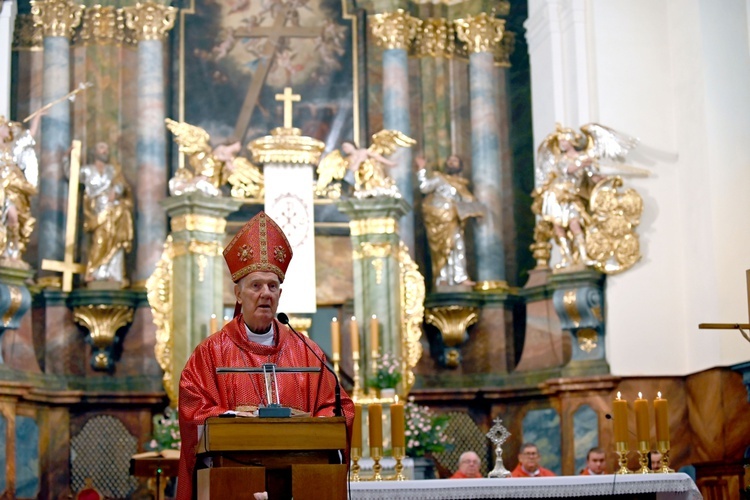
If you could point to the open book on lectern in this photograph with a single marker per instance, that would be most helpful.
(274, 408)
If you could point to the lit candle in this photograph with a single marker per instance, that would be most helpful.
(374, 337)
(357, 429)
(398, 428)
(355, 335)
(642, 424)
(214, 324)
(620, 415)
(335, 337)
(662, 418)
(375, 412)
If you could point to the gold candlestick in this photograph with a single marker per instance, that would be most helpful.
(357, 390)
(643, 449)
(622, 452)
(663, 447)
(356, 455)
(399, 452)
(336, 358)
(376, 453)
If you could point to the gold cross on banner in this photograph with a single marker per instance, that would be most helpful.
(67, 266)
(288, 99)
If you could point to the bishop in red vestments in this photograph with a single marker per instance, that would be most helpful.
(257, 258)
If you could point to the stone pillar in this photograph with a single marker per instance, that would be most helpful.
(15, 299)
(151, 23)
(59, 18)
(198, 231)
(385, 284)
(481, 34)
(579, 303)
(394, 31)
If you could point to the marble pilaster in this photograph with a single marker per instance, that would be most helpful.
(59, 18)
(375, 246)
(480, 34)
(151, 23)
(197, 282)
(394, 31)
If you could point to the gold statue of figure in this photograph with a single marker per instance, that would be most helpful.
(446, 207)
(366, 164)
(19, 172)
(591, 220)
(108, 217)
(211, 168)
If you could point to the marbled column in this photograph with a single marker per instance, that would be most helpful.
(480, 34)
(198, 268)
(59, 18)
(394, 31)
(151, 23)
(375, 248)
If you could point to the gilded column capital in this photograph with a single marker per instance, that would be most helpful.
(57, 17)
(435, 38)
(103, 26)
(27, 34)
(150, 21)
(394, 30)
(480, 33)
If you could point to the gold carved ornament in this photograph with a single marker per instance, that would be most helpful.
(480, 33)
(27, 34)
(412, 315)
(452, 321)
(159, 294)
(58, 18)
(394, 30)
(611, 241)
(104, 25)
(150, 21)
(435, 38)
(102, 322)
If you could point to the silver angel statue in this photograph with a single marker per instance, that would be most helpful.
(108, 217)
(211, 168)
(447, 206)
(19, 172)
(581, 207)
(367, 165)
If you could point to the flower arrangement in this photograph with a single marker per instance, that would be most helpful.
(425, 431)
(166, 432)
(387, 373)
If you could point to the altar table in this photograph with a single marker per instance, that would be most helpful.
(678, 486)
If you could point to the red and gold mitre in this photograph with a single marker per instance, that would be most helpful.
(260, 245)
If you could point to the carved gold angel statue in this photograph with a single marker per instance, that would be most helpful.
(592, 221)
(19, 171)
(211, 168)
(367, 165)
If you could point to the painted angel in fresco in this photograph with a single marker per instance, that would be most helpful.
(211, 168)
(19, 172)
(592, 221)
(367, 164)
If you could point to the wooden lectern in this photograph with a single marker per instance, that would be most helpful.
(297, 457)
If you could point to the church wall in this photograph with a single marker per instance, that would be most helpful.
(674, 75)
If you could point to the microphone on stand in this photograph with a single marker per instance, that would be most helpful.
(338, 411)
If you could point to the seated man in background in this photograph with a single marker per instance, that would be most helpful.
(654, 460)
(468, 466)
(594, 462)
(528, 463)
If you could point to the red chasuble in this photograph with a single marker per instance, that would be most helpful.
(204, 393)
